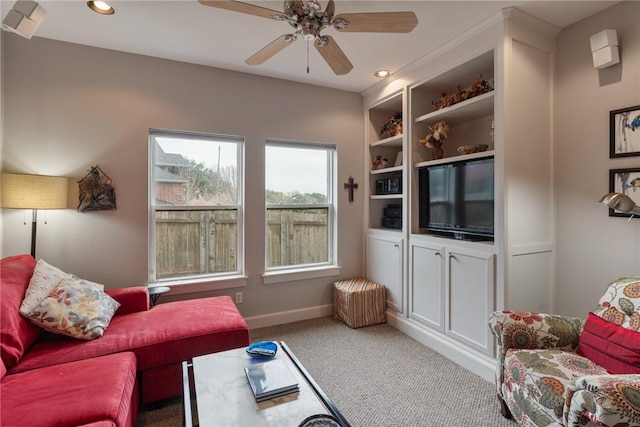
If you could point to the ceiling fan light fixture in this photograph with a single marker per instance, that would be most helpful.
(101, 7)
(322, 41)
(340, 23)
(382, 74)
(314, 5)
(309, 29)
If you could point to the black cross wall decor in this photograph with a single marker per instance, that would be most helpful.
(350, 185)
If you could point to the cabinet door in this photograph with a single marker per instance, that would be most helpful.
(470, 297)
(427, 284)
(384, 266)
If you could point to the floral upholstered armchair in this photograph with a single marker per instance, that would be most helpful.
(565, 371)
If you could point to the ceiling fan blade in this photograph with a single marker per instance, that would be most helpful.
(238, 6)
(378, 22)
(271, 49)
(334, 56)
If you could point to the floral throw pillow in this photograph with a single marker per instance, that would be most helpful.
(620, 304)
(75, 308)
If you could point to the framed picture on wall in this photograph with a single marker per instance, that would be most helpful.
(625, 181)
(624, 132)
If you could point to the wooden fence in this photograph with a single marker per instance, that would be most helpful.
(296, 236)
(202, 242)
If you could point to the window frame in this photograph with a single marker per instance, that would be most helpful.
(198, 282)
(306, 271)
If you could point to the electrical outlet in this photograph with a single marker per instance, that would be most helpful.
(238, 297)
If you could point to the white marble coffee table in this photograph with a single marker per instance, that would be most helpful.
(224, 398)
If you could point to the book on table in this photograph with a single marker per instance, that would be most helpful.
(270, 379)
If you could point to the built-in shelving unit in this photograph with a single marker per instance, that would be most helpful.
(470, 121)
(392, 175)
(441, 291)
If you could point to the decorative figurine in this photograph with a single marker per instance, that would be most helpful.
(433, 141)
(478, 87)
(379, 163)
(392, 127)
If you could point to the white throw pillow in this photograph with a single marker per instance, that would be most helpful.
(45, 278)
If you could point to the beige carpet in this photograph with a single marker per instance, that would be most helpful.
(377, 377)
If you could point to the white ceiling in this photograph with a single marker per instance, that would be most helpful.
(187, 31)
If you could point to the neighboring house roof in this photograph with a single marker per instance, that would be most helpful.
(163, 175)
(169, 159)
(164, 160)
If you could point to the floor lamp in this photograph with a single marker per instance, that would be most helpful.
(33, 192)
(621, 202)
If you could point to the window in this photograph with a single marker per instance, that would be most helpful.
(196, 204)
(299, 194)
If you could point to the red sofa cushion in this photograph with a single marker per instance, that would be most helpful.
(101, 390)
(615, 348)
(133, 299)
(16, 332)
(167, 333)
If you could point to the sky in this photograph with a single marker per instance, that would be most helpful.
(288, 170)
(299, 170)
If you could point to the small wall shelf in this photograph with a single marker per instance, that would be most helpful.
(461, 157)
(386, 170)
(386, 196)
(465, 111)
(392, 141)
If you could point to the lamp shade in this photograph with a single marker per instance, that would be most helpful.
(620, 202)
(33, 191)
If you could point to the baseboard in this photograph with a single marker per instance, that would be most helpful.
(283, 317)
(479, 364)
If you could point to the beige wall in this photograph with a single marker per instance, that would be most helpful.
(59, 121)
(592, 248)
(68, 107)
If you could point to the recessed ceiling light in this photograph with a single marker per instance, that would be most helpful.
(381, 74)
(101, 7)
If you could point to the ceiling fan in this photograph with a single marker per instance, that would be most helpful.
(308, 19)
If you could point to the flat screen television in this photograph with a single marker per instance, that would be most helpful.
(457, 199)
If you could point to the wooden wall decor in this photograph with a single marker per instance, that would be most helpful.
(96, 191)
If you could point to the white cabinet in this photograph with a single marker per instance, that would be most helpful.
(452, 290)
(469, 299)
(427, 284)
(385, 266)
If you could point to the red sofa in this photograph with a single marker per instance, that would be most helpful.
(96, 382)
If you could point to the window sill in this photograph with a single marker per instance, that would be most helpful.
(296, 274)
(202, 284)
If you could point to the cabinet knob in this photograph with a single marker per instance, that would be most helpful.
(451, 256)
(438, 253)
(396, 246)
